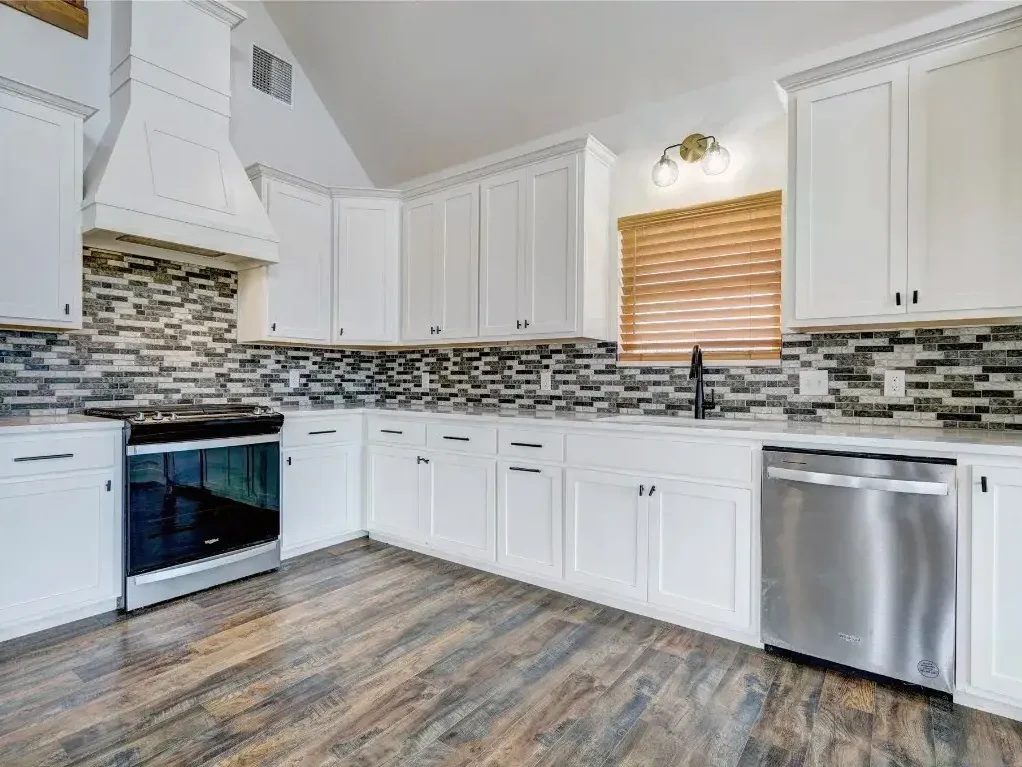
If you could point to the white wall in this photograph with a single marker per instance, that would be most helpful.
(304, 141)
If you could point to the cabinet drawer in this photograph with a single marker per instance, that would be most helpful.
(534, 445)
(462, 437)
(319, 430)
(699, 460)
(396, 431)
(49, 454)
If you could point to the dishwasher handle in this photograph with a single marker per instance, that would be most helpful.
(859, 483)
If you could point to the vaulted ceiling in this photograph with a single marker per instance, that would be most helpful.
(416, 87)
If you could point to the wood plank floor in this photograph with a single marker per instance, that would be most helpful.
(366, 654)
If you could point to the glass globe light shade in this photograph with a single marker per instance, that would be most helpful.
(716, 160)
(665, 172)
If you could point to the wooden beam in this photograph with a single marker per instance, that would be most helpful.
(70, 15)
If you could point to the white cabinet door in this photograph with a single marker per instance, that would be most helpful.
(299, 286)
(965, 187)
(700, 559)
(421, 252)
(40, 214)
(607, 542)
(59, 548)
(460, 505)
(392, 483)
(367, 263)
(850, 206)
(550, 286)
(319, 496)
(530, 519)
(501, 253)
(456, 273)
(996, 621)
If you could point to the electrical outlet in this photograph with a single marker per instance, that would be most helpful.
(425, 380)
(813, 382)
(545, 380)
(294, 378)
(894, 383)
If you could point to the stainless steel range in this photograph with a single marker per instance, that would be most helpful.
(202, 497)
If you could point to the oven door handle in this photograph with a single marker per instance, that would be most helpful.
(204, 564)
(201, 444)
(911, 487)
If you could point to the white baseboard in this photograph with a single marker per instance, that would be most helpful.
(322, 543)
(988, 704)
(56, 618)
(572, 589)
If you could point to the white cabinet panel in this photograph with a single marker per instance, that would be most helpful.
(420, 247)
(40, 214)
(367, 264)
(392, 483)
(607, 538)
(701, 551)
(530, 519)
(456, 278)
(965, 199)
(501, 253)
(319, 496)
(550, 289)
(996, 621)
(460, 505)
(850, 207)
(59, 547)
(298, 288)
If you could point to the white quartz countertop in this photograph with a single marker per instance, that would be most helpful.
(44, 423)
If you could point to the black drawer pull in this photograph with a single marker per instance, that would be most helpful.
(420, 459)
(53, 457)
(324, 431)
(983, 484)
(520, 468)
(391, 431)
(457, 439)
(526, 444)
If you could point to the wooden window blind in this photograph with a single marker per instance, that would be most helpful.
(707, 275)
(70, 15)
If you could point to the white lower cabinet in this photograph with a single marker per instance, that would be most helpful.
(700, 552)
(607, 538)
(460, 505)
(392, 482)
(60, 546)
(996, 579)
(319, 496)
(530, 519)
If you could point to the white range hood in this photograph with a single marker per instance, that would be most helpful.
(165, 180)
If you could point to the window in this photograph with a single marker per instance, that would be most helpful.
(707, 275)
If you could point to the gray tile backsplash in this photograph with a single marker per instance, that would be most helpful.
(158, 331)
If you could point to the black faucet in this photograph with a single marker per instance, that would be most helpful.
(696, 372)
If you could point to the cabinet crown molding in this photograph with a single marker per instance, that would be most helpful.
(259, 170)
(25, 91)
(905, 49)
(226, 12)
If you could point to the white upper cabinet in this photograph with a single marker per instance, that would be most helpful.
(904, 181)
(502, 239)
(367, 264)
(40, 208)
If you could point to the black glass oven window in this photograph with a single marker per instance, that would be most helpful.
(193, 504)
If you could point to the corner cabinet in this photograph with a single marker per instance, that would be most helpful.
(890, 218)
(40, 208)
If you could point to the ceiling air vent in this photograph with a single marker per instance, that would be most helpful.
(272, 75)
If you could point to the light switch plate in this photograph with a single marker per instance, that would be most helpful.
(294, 378)
(894, 383)
(545, 380)
(425, 380)
(813, 382)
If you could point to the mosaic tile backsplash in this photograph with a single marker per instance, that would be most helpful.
(158, 331)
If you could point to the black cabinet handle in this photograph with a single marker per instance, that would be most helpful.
(897, 298)
(432, 330)
(289, 460)
(652, 489)
(526, 444)
(109, 485)
(642, 490)
(67, 308)
(519, 324)
(457, 439)
(340, 331)
(420, 459)
(324, 431)
(526, 325)
(391, 431)
(522, 468)
(915, 296)
(273, 327)
(54, 457)
(983, 484)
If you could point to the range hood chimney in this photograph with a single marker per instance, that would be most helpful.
(165, 180)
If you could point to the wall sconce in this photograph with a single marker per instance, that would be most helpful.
(694, 148)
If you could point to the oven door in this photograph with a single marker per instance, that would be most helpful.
(193, 500)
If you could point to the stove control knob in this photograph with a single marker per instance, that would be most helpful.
(260, 410)
(157, 416)
(139, 417)
(172, 417)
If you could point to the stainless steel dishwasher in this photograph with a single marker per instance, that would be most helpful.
(859, 561)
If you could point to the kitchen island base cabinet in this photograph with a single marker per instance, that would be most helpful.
(320, 497)
(460, 505)
(392, 483)
(530, 519)
(701, 551)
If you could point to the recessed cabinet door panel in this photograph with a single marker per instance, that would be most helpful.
(965, 200)
(367, 261)
(393, 487)
(701, 551)
(460, 505)
(501, 254)
(315, 495)
(607, 534)
(530, 519)
(850, 204)
(551, 253)
(299, 286)
(421, 248)
(457, 276)
(996, 634)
